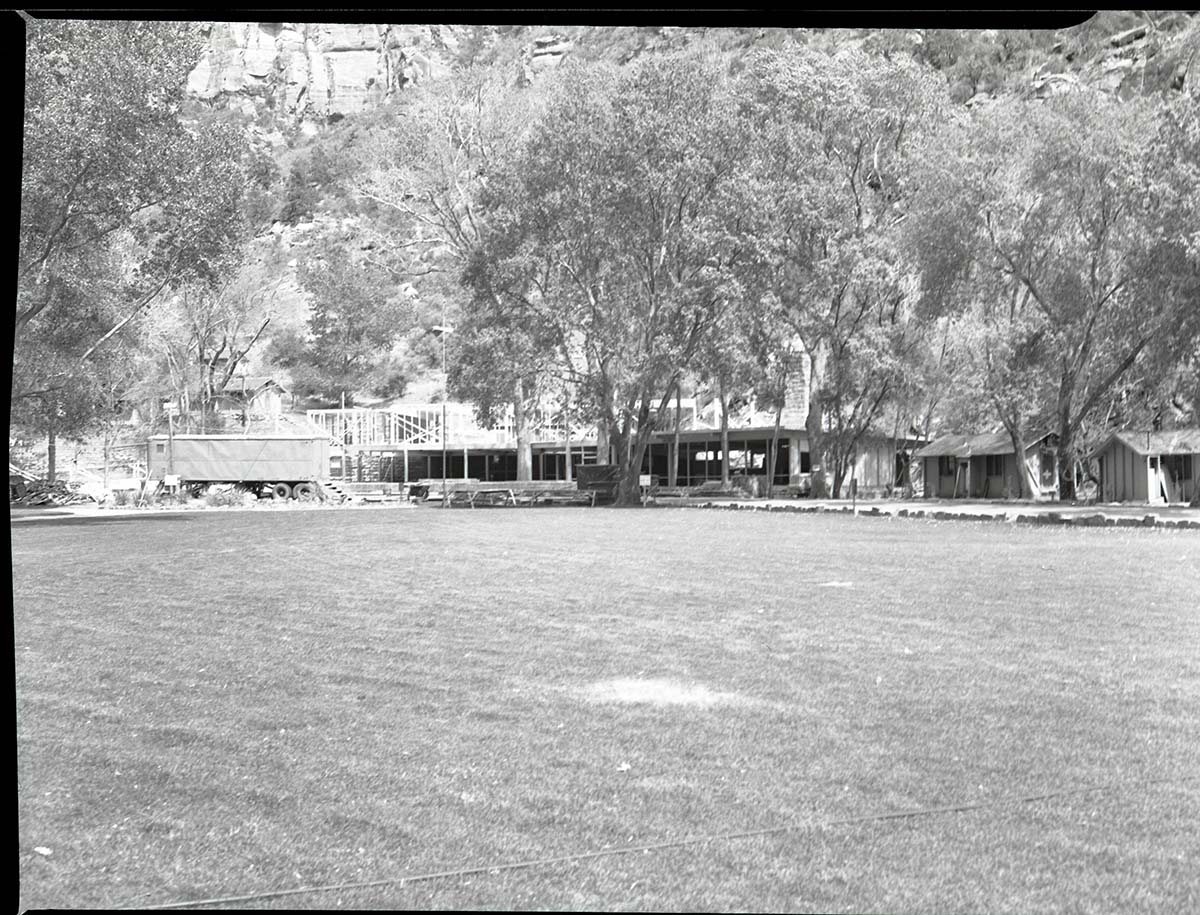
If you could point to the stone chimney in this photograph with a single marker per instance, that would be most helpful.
(795, 402)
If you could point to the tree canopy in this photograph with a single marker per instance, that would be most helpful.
(122, 197)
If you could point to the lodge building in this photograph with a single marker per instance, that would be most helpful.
(404, 443)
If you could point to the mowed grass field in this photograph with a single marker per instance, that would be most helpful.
(228, 703)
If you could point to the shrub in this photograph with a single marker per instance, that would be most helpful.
(218, 498)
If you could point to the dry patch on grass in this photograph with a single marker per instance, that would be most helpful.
(633, 690)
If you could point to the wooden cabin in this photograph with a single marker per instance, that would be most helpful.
(253, 396)
(986, 467)
(1154, 467)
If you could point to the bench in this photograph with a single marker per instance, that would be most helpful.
(709, 488)
(671, 492)
(431, 489)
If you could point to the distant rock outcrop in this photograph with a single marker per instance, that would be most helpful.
(314, 72)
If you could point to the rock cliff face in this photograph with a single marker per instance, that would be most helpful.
(1152, 56)
(312, 72)
(306, 74)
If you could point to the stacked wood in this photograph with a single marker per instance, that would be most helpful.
(43, 492)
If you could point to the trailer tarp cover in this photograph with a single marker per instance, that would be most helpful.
(230, 459)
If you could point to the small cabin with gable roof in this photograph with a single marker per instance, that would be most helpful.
(985, 467)
(253, 396)
(1154, 467)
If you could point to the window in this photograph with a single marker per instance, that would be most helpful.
(159, 447)
(1179, 466)
(995, 465)
(946, 465)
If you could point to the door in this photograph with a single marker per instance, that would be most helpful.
(1157, 484)
(1106, 483)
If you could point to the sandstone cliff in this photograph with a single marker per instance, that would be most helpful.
(308, 74)
(311, 72)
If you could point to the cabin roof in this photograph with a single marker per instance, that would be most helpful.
(254, 385)
(965, 446)
(1176, 441)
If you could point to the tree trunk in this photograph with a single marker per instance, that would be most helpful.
(1066, 462)
(567, 437)
(1023, 473)
(839, 474)
(724, 436)
(631, 449)
(619, 447)
(51, 453)
(816, 446)
(524, 446)
(603, 455)
(813, 425)
(203, 400)
(629, 491)
(773, 456)
(673, 467)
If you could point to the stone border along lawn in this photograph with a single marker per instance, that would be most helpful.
(1040, 514)
(1012, 516)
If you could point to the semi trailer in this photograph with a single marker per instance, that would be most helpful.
(282, 466)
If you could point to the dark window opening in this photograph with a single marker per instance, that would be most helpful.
(1179, 466)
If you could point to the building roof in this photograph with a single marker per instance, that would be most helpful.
(1177, 441)
(254, 384)
(965, 446)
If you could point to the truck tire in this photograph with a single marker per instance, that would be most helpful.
(281, 491)
(305, 492)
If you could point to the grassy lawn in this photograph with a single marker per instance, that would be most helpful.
(234, 702)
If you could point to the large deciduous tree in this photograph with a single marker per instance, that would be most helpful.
(833, 145)
(107, 149)
(626, 210)
(202, 335)
(423, 174)
(122, 197)
(1066, 221)
(358, 313)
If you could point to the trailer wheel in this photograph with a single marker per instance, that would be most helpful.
(305, 492)
(281, 491)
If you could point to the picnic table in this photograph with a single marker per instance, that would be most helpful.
(483, 495)
(558, 497)
(537, 492)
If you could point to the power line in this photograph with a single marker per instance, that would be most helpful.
(654, 846)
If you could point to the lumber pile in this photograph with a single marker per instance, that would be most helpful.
(43, 492)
